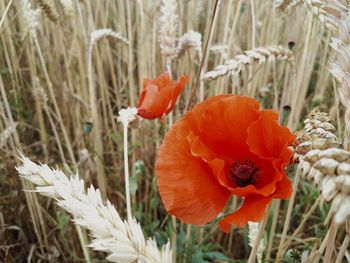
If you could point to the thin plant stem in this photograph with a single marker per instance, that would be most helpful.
(205, 53)
(289, 215)
(97, 126)
(305, 218)
(330, 242)
(171, 121)
(314, 257)
(126, 172)
(273, 228)
(5, 12)
(342, 249)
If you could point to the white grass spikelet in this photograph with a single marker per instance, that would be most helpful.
(106, 32)
(190, 39)
(255, 56)
(5, 134)
(127, 115)
(68, 7)
(168, 24)
(253, 232)
(30, 18)
(122, 240)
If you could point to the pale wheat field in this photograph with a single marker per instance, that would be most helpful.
(147, 131)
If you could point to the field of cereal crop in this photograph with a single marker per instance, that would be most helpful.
(159, 131)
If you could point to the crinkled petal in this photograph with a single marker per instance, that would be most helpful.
(283, 189)
(188, 188)
(267, 139)
(179, 87)
(253, 209)
(155, 100)
(224, 125)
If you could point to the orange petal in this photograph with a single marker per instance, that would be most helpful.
(224, 125)
(180, 85)
(187, 186)
(283, 189)
(253, 209)
(145, 83)
(155, 101)
(194, 116)
(163, 80)
(267, 139)
(217, 163)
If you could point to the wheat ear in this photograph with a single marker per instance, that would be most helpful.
(168, 32)
(325, 165)
(122, 240)
(340, 67)
(259, 56)
(5, 134)
(68, 7)
(29, 18)
(318, 7)
(286, 5)
(48, 10)
(189, 40)
(253, 228)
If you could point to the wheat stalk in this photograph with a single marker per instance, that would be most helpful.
(122, 240)
(4, 14)
(95, 111)
(259, 56)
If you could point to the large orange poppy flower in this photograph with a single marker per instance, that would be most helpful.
(158, 96)
(225, 146)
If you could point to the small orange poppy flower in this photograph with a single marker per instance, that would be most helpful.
(225, 146)
(158, 96)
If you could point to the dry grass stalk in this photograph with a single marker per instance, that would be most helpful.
(48, 10)
(259, 56)
(5, 12)
(95, 111)
(122, 240)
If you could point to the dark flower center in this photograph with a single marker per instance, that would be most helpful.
(243, 173)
